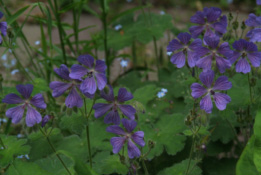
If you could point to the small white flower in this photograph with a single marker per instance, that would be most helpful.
(26, 156)
(20, 157)
(160, 94)
(37, 43)
(3, 120)
(124, 63)
(118, 27)
(4, 57)
(10, 50)
(169, 53)
(164, 90)
(13, 72)
(162, 12)
(13, 62)
(20, 135)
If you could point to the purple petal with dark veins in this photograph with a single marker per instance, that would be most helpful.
(108, 96)
(15, 113)
(112, 117)
(25, 90)
(198, 18)
(117, 143)
(73, 99)
(88, 85)
(128, 111)
(174, 45)
(86, 60)
(184, 37)
(38, 101)
(206, 104)
(130, 125)
(138, 138)
(124, 95)
(101, 80)
(101, 109)
(196, 31)
(221, 100)
(12, 99)
(222, 64)
(197, 90)
(243, 66)
(32, 117)
(100, 66)
(77, 72)
(115, 130)
(222, 84)
(255, 58)
(207, 77)
(59, 88)
(133, 150)
(179, 59)
(63, 72)
(205, 62)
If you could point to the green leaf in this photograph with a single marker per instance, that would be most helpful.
(104, 163)
(20, 167)
(13, 148)
(257, 144)
(213, 166)
(74, 124)
(40, 85)
(13, 17)
(181, 168)
(166, 133)
(146, 93)
(245, 164)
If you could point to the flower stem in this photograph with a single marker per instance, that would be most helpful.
(190, 154)
(144, 167)
(58, 156)
(2, 143)
(250, 90)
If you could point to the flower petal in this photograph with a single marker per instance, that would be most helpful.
(88, 85)
(179, 59)
(251, 47)
(12, 99)
(213, 13)
(130, 125)
(138, 137)
(77, 72)
(234, 57)
(25, 90)
(15, 113)
(243, 66)
(124, 95)
(207, 77)
(73, 99)
(117, 143)
(252, 20)
(192, 58)
(101, 109)
(115, 130)
(212, 41)
(32, 117)
(101, 80)
(255, 58)
(222, 84)
(254, 35)
(3, 28)
(108, 96)
(112, 117)
(222, 64)
(198, 18)
(174, 45)
(128, 111)
(184, 37)
(59, 88)
(86, 60)
(196, 31)
(225, 50)
(206, 104)
(133, 150)
(63, 72)
(100, 66)
(205, 62)
(197, 90)
(38, 101)
(221, 100)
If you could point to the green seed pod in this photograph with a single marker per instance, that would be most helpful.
(243, 25)
(235, 25)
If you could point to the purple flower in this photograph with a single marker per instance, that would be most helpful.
(16, 113)
(59, 88)
(3, 27)
(88, 73)
(209, 91)
(45, 120)
(244, 50)
(254, 21)
(127, 136)
(115, 104)
(258, 2)
(210, 21)
(214, 52)
(185, 50)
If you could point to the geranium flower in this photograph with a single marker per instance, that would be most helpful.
(244, 50)
(16, 113)
(92, 71)
(208, 91)
(127, 136)
(114, 105)
(254, 21)
(210, 22)
(3, 27)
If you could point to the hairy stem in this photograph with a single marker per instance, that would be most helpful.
(144, 167)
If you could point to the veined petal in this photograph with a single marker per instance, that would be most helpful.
(243, 66)
(59, 88)
(25, 90)
(212, 41)
(197, 90)
(63, 72)
(207, 77)
(3, 28)
(15, 113)
(174, 45)
(73, 99)
(115, 130)
(124, 95)
(117, 143)
(101, 109)
(112, 117)
(130, 125)
(252, 20)
(234, 57)
(205, 62)
(198, 18)
(100, 66)
(225, 50)
(222, 64)
(221, 100)
(133, 150)
(86, 60)
(222, 84)
(196, 31)
(255, 58)
(240, 44)
(12, 99)
(38, 101)
(88, 85)
(206, 104)
(179, 59)
(192, 58)
(184, 37)
(254, 35)
(251, 47)
(108, 96)
(138, 137)
(213, 14)
(77, 72)
(128, 111)
(101, 80)
(32, 117)
(1, 14)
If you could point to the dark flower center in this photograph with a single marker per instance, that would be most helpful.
(244, 54)
(90, 74)
(212, 92)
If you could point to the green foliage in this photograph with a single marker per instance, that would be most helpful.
(181, 169)
(146, 93)
(74, 124)
(13, 147)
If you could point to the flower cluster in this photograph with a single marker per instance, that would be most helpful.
(162, 93)
(212, 54)
(3, 27)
